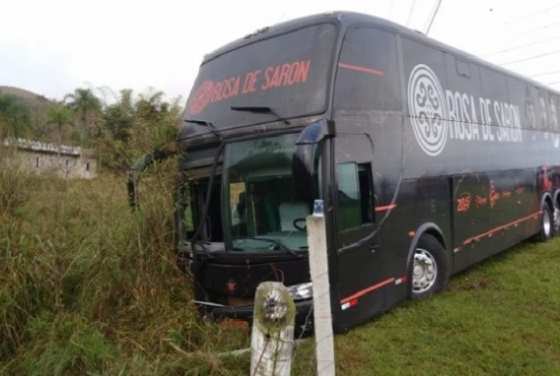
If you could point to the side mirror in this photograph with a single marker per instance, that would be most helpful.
(316, 132)
(304, 164)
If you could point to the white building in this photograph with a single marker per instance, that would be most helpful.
(62, 160)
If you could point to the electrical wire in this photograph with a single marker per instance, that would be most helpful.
(530, 58)
(545, 73)
(519, 46)
(411, 10)
(433, 16)
(544, 27)
(532, 14)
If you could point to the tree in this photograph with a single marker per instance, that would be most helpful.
(119, 117)
(59, 115)
(156, 121)
(15, 115)
(87, 107)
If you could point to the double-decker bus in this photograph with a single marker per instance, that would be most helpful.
(427, 159)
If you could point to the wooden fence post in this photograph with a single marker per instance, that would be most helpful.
(319, 269)
(272, 339)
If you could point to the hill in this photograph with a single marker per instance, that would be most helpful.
(33, 100)
(34, 107)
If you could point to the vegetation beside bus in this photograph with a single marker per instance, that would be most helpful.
(88, 287)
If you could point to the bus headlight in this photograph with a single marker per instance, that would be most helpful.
(302, 291)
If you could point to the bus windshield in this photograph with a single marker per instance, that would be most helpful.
(263, 201)
(288, 73)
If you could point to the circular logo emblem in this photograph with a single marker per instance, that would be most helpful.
(428, 114)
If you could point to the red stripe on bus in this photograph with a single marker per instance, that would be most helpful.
(496, 229)
(357, 68)
(385, 207)
(367, 290)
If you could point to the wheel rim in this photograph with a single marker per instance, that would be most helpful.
(424, 272)
(546, 223)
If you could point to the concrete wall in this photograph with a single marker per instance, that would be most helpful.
(64, 161)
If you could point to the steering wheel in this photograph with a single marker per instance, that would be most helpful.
(297, 224)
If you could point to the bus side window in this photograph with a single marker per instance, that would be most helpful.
(355, 194)
(368, 77)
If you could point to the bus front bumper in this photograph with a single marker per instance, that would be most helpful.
(303, 319)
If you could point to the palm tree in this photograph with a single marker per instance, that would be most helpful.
(87, 108)
(59, 115)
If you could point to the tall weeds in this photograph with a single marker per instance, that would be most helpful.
(87, 286)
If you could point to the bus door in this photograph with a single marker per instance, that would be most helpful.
(359, 266)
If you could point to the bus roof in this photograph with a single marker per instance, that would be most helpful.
(346, 19)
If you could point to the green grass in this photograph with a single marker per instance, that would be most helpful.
(87, 287)
(501, 317)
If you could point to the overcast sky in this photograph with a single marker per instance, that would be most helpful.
(52, 47)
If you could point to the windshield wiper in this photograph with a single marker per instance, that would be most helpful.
(277, 243)
(260, 110)
(206, 124)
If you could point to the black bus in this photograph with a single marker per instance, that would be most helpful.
(427, 159)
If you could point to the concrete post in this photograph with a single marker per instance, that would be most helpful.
(322, 315)
(272, 339)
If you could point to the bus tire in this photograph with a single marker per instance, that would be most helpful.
(430, 268)
(546, 231)
(556, 218)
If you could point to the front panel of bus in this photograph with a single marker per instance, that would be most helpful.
(253, 126)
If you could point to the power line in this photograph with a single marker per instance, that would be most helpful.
(411, 10)
(520, 46)
(545, 73)
(533, 14)
(433, 16)
(530, 58)
(544, 27)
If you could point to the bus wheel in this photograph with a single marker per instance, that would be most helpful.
(547, 224)
(556, 219)
(430, 268)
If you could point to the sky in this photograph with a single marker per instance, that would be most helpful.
(51, 47)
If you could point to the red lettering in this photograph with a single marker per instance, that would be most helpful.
(249, 85)
(283, 81)
(246, 81)
(253, 85)
(235, 88)
(276, 77)
(268, 75)
(293, 73)
(493, 196)
(218, 92)
(302, 70)
(480, 201)
(464, 203)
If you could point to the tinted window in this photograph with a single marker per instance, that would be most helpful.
(368, 71)
(288, 73)
(355, 194)
(543, 108)
(518, 97)
(495, 87)
(554, 121)
(531, 107)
